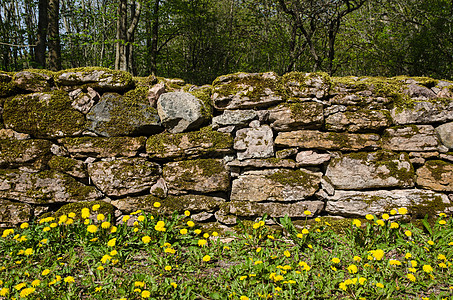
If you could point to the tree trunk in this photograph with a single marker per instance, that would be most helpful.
(54, 36)
(43, 22)
(152, 44)
(120, 57)
(135, 13)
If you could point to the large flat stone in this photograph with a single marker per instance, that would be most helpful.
(118, 115)
(255, 142)
(358, 120)
(43, 115)
(13, 214)
(360, 203)
(436, 175)
(445, 133)
(33, 81)
(312, 139)
(201, 175)
(411, 138)
(246, 209)
(294, 116)
(239, 118)
(364, 170)
(307, 85)
(247, 90)
(123, 176)
(194, 144)
(275, 185)
(101, 147)
(44, 187)
(33, 154)
(424, 112)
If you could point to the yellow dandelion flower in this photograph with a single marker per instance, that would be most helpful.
(318, 220)
(70, 222)
(380, 222)
(335, 260)
(256, 225)
(100, 217)
(92, 228)
(408, 233)
(72, 215)
(187, 213)
(126, 218)
(394, 262)
(411, 277)
(141, 218)
(156, 204)
(414, 263)
(431, 243)
(167, 268)
(114, 229)
(305, 231)
(378, 254)
(19, 286)
(427, 268)
(146, 239)
(402, 211)
(362, 280)
(369, 217)
(258, 262)
(286, 253)
(379, 285)
(307, 212)
(442, 222)
(173, 284)
(86, 222)
(206, 235)
(105, 258)
(206, 258)
(26, 292)
(105, 225)
(352, 269)
(139, 284)
(183, 231)
(98, 289)
(24, 225)
(85, 213)
(95, 207)
(357, 258)
(190, 223)
(197, 231)
(394, 225)
(244, 298)
(442, 265)
(393, 212)
(343, 286)
(202, 242)
(356, 223)
(385, 216)
(4, 291)
(243, 277)
(35, 283)
(215, 233)
(69, 279)
(441, 257)
(100, 268)
(45, 272)
(28, 251)
(112, 242)
(113, 252)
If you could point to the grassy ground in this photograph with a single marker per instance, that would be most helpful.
(81, 255)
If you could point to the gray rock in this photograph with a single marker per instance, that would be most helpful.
(311, 158)
(275, 185)
(194, 144)
(247, 90)
(293, 116)
(43, 115)
(180, 111)
(13, 214)
(70, 166)
(230, 210)
(263, 163)
(100, 147)
(445, 133)
(33, 154)
(154, 93)
(159, 189)
(124, 176)
(410, 138)
(9, 134)
(203, 216)
(201, 175)
(419, 92)
(83, 102)
(100, 79)
(360, 203)
(116, 115)
(181, 203)
(254, 142)
(424, 112)
(44, 187)
(312, 139)
(33, 81)
(285, 153)
(370, 170)
(360, 120)
(238, 118)
(436, 175)
(307, 85)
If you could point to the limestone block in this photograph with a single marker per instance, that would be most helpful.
(180, 111)
(255, 142)
(201, 175)
(311, 158)
(363, 170)
(13, 214)
(83, 102)
(117, 115)
(436, 175)
(410, 138)
(68, 165)
(424, 112)
(181, 203)
(294, 116)
(33, 81)
(33, 154)
(445, 133)
(100, 79)
(307, 85)
(194, 144)
(230, 210)
(312, 139)
(275, 185)
(360, 120)
(360, 203)
(247, 90)
(43, 115)
(263, 163)
(44, 187)
(123, 176)
(238, 118)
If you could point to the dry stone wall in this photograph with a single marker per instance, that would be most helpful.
(247, 145)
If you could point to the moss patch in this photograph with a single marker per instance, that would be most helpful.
(294, 178)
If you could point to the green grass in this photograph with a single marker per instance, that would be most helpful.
(160, 257)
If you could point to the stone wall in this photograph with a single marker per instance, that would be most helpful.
(247, 145)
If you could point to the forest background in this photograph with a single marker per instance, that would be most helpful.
(198, 40)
